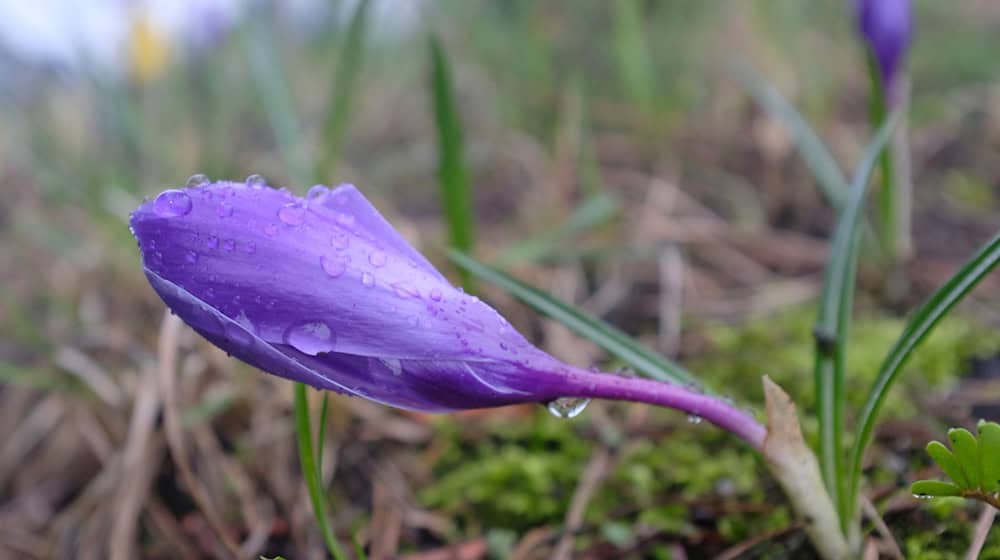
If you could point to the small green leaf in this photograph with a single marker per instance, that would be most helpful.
(989, 456)
(948, 463)
(934, 489)
(966, 450)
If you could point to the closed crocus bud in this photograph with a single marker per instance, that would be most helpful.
(887, 26)
(322, 290)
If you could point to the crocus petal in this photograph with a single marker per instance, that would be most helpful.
(887, 27)
(324, 291)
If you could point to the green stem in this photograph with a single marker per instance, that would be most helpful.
(307, 457)
(888, 207)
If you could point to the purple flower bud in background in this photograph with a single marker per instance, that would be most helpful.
(322, 290)
(887, 27)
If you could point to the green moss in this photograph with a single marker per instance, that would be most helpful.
(782, 347)
(518, 475)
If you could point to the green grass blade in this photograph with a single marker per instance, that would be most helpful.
(888, 208)
(834, 319)
(259, 45)
(633, 56)
(456, 192)
(915, 332)
(948, 463)
(324, 419)
(310, 469)
(814, 152)
(595, 210)
(989, 456)
(934, 489)
(345, 86)
(966, 450)
(616, 342)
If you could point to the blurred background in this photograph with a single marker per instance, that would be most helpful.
(617, 160)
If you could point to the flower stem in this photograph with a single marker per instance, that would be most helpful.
(713, 409)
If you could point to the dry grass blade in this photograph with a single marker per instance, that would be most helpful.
(140, 460)
(83, 367)
(982, 529)
(597, 468)
(169, 331)
(889, 541)
(42, 419)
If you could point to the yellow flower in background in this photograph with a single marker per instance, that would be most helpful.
(149, 50)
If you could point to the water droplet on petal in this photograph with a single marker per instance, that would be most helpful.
(311, 337)
(694, 419)
(212, 242)
(435, 294)
(340, 241)
(191, 257)
(405, 290)
(241, 331)
(567, 407)
(197, 180)
(292, 214)
(333, 267)
(229, 245)
(394, 365)
(377, 258)
(316, 191)
(256, 181)
(172, 203)
(345, 219)
(271, 230)
(367, 279)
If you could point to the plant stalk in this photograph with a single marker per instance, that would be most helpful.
(712, 409)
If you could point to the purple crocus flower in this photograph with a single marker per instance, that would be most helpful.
(887, 26)
(322, 290)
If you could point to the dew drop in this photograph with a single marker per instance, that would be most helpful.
(172, 203)
(377, 258)
(405, 290)
(229, 245)
(292, 214)
(435, 294)
(345, 219)
(333, 267)
(241, 330)
(311, 337)
(212, 242)
(256, 181)
(694, 419)
(191, 257)
(367, 279)
(394, 365)
(922, 496)
(197, 180)
(567, 407)
(317, 191)
(340, 241)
